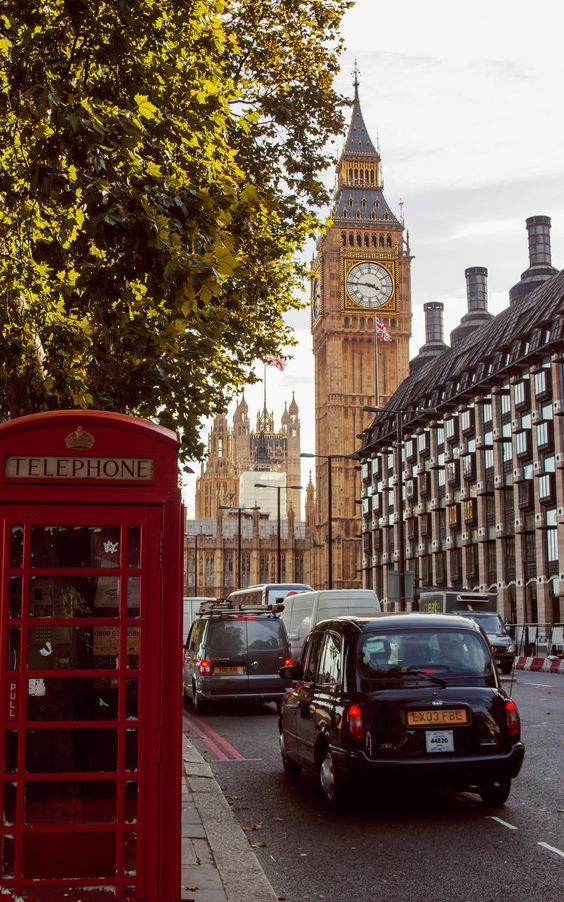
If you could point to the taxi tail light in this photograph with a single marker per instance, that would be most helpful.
(287, 662)
(513, 720)
(205, 667)
(355, 723)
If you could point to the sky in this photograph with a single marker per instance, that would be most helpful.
(466, 103)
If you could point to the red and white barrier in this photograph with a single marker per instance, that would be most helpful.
(547, 665)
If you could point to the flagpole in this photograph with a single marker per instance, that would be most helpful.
(376, 386)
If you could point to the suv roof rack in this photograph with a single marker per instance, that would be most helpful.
(227, 607)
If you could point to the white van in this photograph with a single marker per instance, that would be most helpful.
(301, 612)
(266, 593)
(190, 607)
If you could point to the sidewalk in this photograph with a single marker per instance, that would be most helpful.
(218, 864)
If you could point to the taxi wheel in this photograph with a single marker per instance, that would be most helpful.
(332, 783)
(496, 793)
(291, 767)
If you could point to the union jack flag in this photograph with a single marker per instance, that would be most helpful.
(382, 330)
(274, 361)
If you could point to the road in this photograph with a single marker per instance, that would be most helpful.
(436, 846)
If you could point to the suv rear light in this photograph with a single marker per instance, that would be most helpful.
(513, 720)
(355, 723)
(205, 667)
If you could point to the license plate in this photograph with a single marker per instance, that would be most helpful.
(229, 669)
(439, 741)
(450, 716)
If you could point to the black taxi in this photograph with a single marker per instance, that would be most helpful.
(400, 697)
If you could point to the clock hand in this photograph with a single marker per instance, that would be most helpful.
(368, 284)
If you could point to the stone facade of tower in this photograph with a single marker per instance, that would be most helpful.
(360, 283)
(228, 544)
(238, 448)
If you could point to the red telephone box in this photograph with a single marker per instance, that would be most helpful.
(90, 647)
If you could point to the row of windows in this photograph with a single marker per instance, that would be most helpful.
(267, 569)
(366, 239)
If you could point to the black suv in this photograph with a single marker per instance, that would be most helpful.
(405, 697)
(235, 653)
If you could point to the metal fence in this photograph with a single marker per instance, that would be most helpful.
(538, 639)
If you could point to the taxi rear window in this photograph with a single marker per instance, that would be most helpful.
(443, 652)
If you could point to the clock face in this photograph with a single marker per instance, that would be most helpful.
(369, 284)
(316, 296)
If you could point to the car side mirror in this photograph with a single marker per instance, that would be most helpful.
(290, 672)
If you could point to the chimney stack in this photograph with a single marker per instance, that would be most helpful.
(477, 288)
(477, 300)
(434, 341)
(540, 266)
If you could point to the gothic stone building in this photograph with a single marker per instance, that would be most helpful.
(232, 541)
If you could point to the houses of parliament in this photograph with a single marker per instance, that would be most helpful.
(447, 467)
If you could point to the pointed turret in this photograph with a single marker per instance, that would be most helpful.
(358, 141)
(293, 409)
(359, 177)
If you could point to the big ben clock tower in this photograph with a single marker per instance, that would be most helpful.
(360, 277)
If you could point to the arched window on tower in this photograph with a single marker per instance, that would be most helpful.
(373, 215)
(343, 237)
(388, 241)
(359, 239)
(381, 240)
(366, 240)
(374, 241)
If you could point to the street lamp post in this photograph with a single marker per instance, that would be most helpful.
(203, 535)
(264, 485)
(227, 507)
(399, 414)
(330, 458)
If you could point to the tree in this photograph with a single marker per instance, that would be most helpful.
(158, 174)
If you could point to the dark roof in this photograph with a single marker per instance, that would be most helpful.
(492, 351)
(353, 205)
(358, 143)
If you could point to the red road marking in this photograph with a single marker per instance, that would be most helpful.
(216, 738)
(211, 745)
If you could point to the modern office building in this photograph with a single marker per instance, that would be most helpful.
(463, 469)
